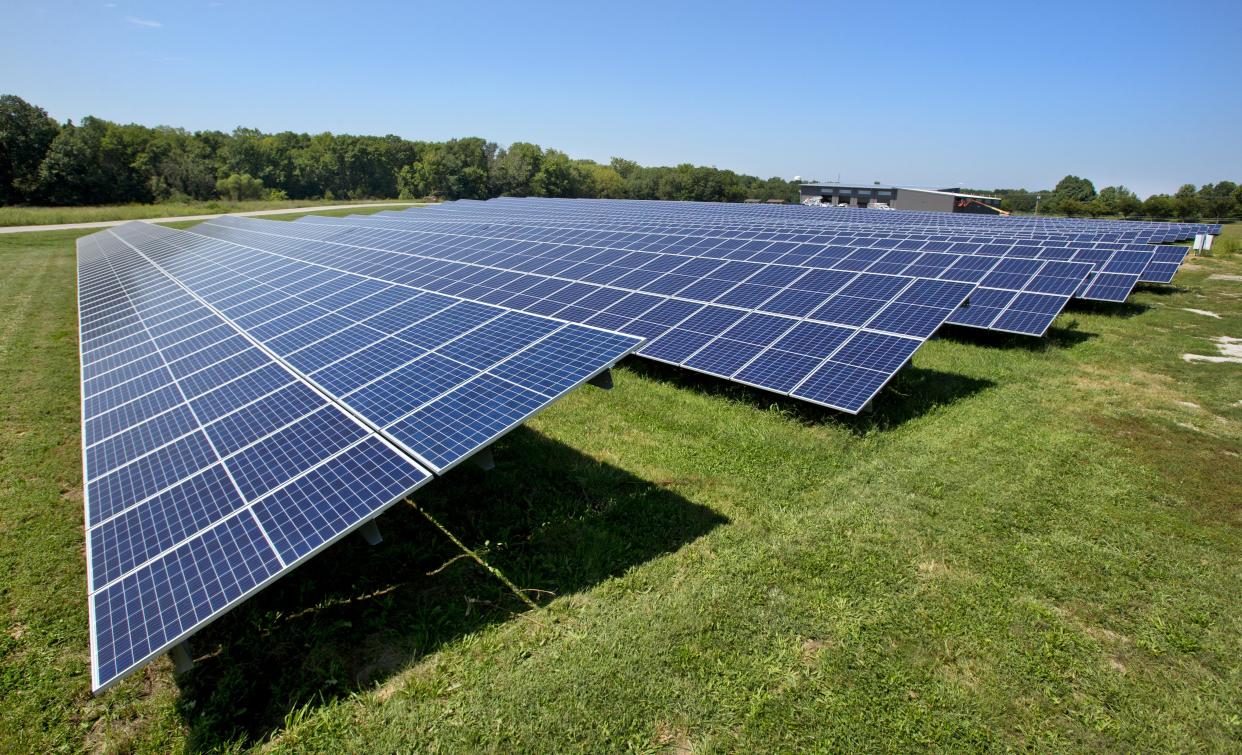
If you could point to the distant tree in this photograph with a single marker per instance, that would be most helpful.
(26, 132)
(177, 165)
(1097, 207)
(1070, 207)
(1129, 205)
(515, 168)
(1018, 200)
(95, 163)
(624, 168)
(606, 182)
(1073, 187)
(559, 176)
(240, 186)
(1159, 206)
(1217, 200)
(1114, 196)
(456, 169)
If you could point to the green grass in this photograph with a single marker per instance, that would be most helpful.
(10, 216)
(1028, 545)
(1229, 241)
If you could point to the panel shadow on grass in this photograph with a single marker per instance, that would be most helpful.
(549, 517)
(1125, 309)
(1066, 336)
(913, 392)
(1159, 289)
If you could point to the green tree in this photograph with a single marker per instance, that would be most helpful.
(1070, 207)
(95, 163)
(1217, 200)
(605, 182)
(1129, 205)
(1073, 187)
(177, 165)
(456, 169)
(240, 186)
(559, 176)
(1097, 207)
(515, 168)
(1186, 203)
(1114, 197)
(624, 168)
(26, 133)
(1159, 206)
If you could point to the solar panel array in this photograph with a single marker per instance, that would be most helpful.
(831, 337)
(252, 391)
(1116, 267)
(1015, 295)
(242, 411)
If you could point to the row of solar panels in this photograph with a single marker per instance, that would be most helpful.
(1050, 227)
(559, 214)
(254, 390)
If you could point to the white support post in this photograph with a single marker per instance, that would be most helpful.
(181, 658)
(370, 532)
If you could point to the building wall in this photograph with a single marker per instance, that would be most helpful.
(859, 196)
(926, 201)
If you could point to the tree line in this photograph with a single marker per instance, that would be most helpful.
(1075, 196)
(96, 161)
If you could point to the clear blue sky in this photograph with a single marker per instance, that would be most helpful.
(985, 93)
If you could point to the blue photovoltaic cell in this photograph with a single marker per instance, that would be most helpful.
(212, 466)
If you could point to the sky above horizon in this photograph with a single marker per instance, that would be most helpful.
(985, 95)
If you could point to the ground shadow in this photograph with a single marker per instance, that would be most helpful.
(549, 517)
(1124, 309)
(913, 392)
(1066, 337)
(1159, 289)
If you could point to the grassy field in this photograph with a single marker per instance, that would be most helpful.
(10, 216)
(1030, 544)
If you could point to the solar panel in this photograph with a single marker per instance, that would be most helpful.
(1047, 285)
(1080, 229)
(1104, 257)
(696, 333)
(212, 466)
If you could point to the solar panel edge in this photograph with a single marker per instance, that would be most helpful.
(86, 502)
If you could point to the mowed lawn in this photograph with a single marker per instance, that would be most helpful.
(1030, 544)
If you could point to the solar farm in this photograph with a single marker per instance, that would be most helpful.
(817, 408)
